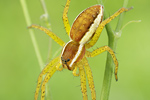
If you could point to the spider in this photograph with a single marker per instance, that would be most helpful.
(83, 34)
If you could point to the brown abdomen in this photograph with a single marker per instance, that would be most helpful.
(83, 22)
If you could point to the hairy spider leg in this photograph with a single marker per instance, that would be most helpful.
(83, 82)
(101, 26)
(48, 32)
(101, 50)
(65, 18)
(44, 71)
(90, 78)
(47, 77)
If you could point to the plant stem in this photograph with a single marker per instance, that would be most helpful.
(120, 21)
(34, 42)
(109, 64)
(112, 43)
(45, 18)
(45, 15)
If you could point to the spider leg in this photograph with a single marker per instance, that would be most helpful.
(101, 50)
(83, 83)
(58, 68)
(44, 71)
(101, 26)
(65, 18)
(47, 77)
(90, 78)
(75, 71)
(48, 32)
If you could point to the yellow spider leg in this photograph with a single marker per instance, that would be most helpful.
(75, 71)
(101, 50)
(59, 69)
(51, 34)
(47, 77)
(83, 83)
(101, 26)
(65, 18)
(44, 71)
(90, 78)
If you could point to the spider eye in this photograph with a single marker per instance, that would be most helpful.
(68, 60)
(64, 61)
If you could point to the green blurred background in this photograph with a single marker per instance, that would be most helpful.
(19, 68)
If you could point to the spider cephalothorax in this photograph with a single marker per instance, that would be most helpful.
(83, 34)
(72, 53)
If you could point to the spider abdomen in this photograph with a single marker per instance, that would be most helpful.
(86, 24)
(72, 53)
